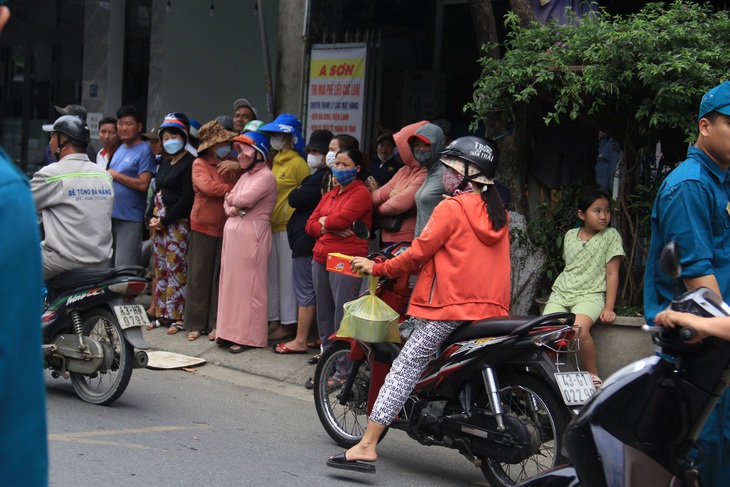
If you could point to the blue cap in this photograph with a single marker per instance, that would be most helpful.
(286, 123)
(717, 99)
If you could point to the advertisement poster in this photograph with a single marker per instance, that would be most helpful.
(337, 91)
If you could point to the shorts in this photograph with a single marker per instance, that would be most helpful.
(303, 285)
(587, 308)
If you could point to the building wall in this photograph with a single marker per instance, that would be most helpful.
(209, 61)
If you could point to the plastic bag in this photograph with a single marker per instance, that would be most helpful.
(370, 319)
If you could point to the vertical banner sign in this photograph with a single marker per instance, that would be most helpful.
(337, 91)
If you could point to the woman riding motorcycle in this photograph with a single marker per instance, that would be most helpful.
(450, 290)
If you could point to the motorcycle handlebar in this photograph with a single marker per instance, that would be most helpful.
(686, 333)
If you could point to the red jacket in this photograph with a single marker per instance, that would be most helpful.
(341, 210)
(207, 215)
(464, 264)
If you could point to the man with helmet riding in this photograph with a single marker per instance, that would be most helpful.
(75, 198)
(450, 290)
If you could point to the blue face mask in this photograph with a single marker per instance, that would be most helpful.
(223, 152)
(173, 146)
(344, 176)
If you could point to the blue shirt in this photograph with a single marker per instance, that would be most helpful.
(23, 446)
(130, 204)
(691, 208)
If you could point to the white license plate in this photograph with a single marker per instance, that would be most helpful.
(130, 315)
(575, 387)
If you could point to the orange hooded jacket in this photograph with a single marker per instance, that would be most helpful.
(464, 264)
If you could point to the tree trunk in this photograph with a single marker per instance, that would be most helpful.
(524, 11)
(485, 25)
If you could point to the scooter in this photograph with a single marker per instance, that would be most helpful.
(641, 428)
(501, 391)
(91, 327)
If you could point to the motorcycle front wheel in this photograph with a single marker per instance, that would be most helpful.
(107, 384)
(341, 394)
(529, 399)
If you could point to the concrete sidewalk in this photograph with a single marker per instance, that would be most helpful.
(263, 362)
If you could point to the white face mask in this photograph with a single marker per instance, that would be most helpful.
(314, 161)
(278, 141)
(330, 159)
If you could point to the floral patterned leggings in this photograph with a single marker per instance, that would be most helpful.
(407, 368)
(171, 266)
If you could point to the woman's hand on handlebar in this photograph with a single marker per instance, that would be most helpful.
(362, 265)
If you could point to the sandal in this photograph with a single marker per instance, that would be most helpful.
(315, 344)
(333, 384)
(153, 324)
(315, 359)
(193, 335)
(211, 335)
(596, 381)
(175, 328)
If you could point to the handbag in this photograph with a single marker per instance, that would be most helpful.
(390, 223)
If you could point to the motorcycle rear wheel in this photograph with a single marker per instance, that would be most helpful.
(344, 423)
(518, 392)
(108, 384)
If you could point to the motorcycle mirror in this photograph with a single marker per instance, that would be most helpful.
(670, 265)
(361, 230)
(669, 260)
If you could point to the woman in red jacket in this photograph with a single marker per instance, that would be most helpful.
(331, 225)
(450, 290)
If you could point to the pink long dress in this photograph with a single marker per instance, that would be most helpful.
(243, 297)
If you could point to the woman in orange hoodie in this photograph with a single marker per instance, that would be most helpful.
(450, 290)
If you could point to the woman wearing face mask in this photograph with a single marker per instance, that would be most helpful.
(337, 143)
(331, 224)
(169, 223)
(387, 163)
(450, 289)
(206, 236)
(304, 200)
(426, 144)
(290, 170)
(398, 196)
(243, 298)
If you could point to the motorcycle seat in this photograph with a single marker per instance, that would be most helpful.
(90, 275)
(487, 327)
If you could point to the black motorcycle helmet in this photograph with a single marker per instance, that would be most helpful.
(73, 126)
(481, 153)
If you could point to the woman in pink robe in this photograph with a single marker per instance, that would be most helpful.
(243, 295)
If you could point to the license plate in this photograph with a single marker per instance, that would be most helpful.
(575, 387)
(130, 315)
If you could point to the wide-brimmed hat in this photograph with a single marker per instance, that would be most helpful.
(77, 110)
(212, 133)
(319, 141)
(151, 134)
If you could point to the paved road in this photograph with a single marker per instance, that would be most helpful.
(220, 427)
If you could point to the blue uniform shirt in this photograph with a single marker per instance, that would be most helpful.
(691, 208)
(23, 446)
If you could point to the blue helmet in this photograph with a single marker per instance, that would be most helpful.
(257, 140)
(175, 124)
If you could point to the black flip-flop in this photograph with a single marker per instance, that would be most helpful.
(340, 461)
(240, 349)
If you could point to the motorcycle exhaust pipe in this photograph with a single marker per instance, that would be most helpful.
(141, 359)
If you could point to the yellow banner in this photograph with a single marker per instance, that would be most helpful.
(337, 68)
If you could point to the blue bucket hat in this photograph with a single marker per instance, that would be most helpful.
(286, 123)
(717, 99)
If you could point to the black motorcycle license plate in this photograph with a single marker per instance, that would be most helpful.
(575, 387)
(130, 315)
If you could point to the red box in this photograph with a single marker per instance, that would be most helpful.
(340, 263)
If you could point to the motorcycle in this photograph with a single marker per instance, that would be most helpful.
(641, 428)
(501, 391)
(91, 327)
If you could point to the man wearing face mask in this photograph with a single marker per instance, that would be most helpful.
(427, 142)
(304, 200)
(290, 169)
(397, 198)
(169, 223)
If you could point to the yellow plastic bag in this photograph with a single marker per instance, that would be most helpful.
(370, 319)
